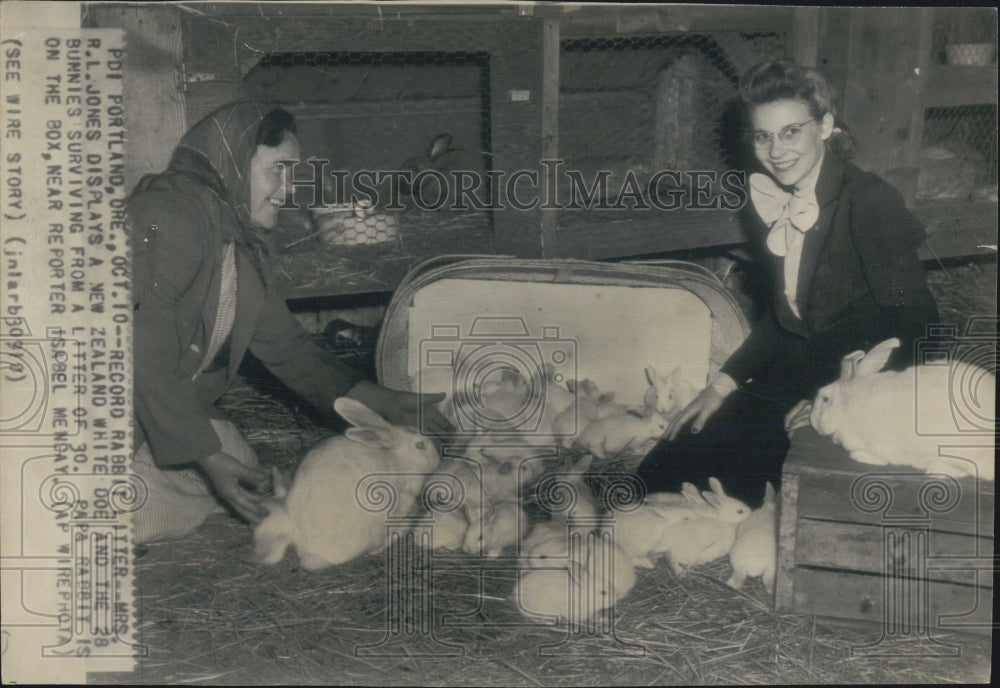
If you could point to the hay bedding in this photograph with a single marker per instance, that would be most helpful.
(211, 615)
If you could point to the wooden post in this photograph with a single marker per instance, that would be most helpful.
(804, 45)
(153, 97)
(548, 174)
(883, 91)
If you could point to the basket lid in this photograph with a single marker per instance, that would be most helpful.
(729, 326)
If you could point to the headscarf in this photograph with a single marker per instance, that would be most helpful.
(216, 152)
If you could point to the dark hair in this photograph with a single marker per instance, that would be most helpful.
(773, 80)
(273, 126)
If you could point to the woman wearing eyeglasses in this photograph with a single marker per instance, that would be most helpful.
(840, 247)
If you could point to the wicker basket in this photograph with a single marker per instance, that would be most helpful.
(341, 226)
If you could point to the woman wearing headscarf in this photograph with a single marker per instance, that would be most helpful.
(203, 297)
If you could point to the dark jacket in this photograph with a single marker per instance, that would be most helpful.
(178, 236)
(859, 275)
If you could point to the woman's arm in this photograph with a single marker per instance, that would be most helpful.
(762, 347)
(168, 248)
(288, 351)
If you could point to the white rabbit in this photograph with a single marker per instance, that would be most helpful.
(645, 532)
(688, 495)
(694, 541)
(668, 394)
(755, 551)
(577, 416)
(874, 415)
(449, 530)
(546, 543)
(321, 514)
(504, 527)
(618, 434)
(580, 591)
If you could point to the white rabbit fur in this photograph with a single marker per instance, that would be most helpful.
(668, 394)
(697, 541)
(646, 533)
(320, 514)
(616, 434)
(503, 527)
(755, 551)
(449, 530)
(872, 414)
(551, 540)
(569, 424)
(580, 591)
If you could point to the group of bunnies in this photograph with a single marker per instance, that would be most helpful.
(346, 487)
(583, 560)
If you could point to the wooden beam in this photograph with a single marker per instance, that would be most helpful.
(950, 86)
(550, 134)
(804, 43)
(153, 99)
(883, 90)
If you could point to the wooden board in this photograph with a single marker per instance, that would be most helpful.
(947, 606)
(154, 102)
(956, 85)
(872, 549)
(831, 486)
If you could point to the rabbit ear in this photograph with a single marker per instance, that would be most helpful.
(651, 376)
(281, 483)
(849, 364)
(359, 415)
(712, 499)
(439, 146)
(691, 493)
(378, 438)
(583, 465)
(674, 377)
(769, 493)
(716, 487)
(875, 359)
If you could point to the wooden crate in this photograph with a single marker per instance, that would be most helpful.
(886, 544)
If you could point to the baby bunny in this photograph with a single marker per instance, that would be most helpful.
(871, 414)
(588, 408)
(755, 551)
(582, 590)
(616, 434)
(551, 541)
(321, 514)
(697, 541)
(504, 526)
(668, 394)
(647, 532)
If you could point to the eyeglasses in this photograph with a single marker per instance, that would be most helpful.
(789, 135)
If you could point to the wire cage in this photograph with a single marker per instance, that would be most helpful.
(632, 108)
(371, 122)
(958, 158)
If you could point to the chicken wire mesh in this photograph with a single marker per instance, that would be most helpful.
(369, 114)
(650, 103)
(959, 154)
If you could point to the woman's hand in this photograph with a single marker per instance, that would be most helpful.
(404, 408)
(798, 417)
(226, 472)
(704, 405)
